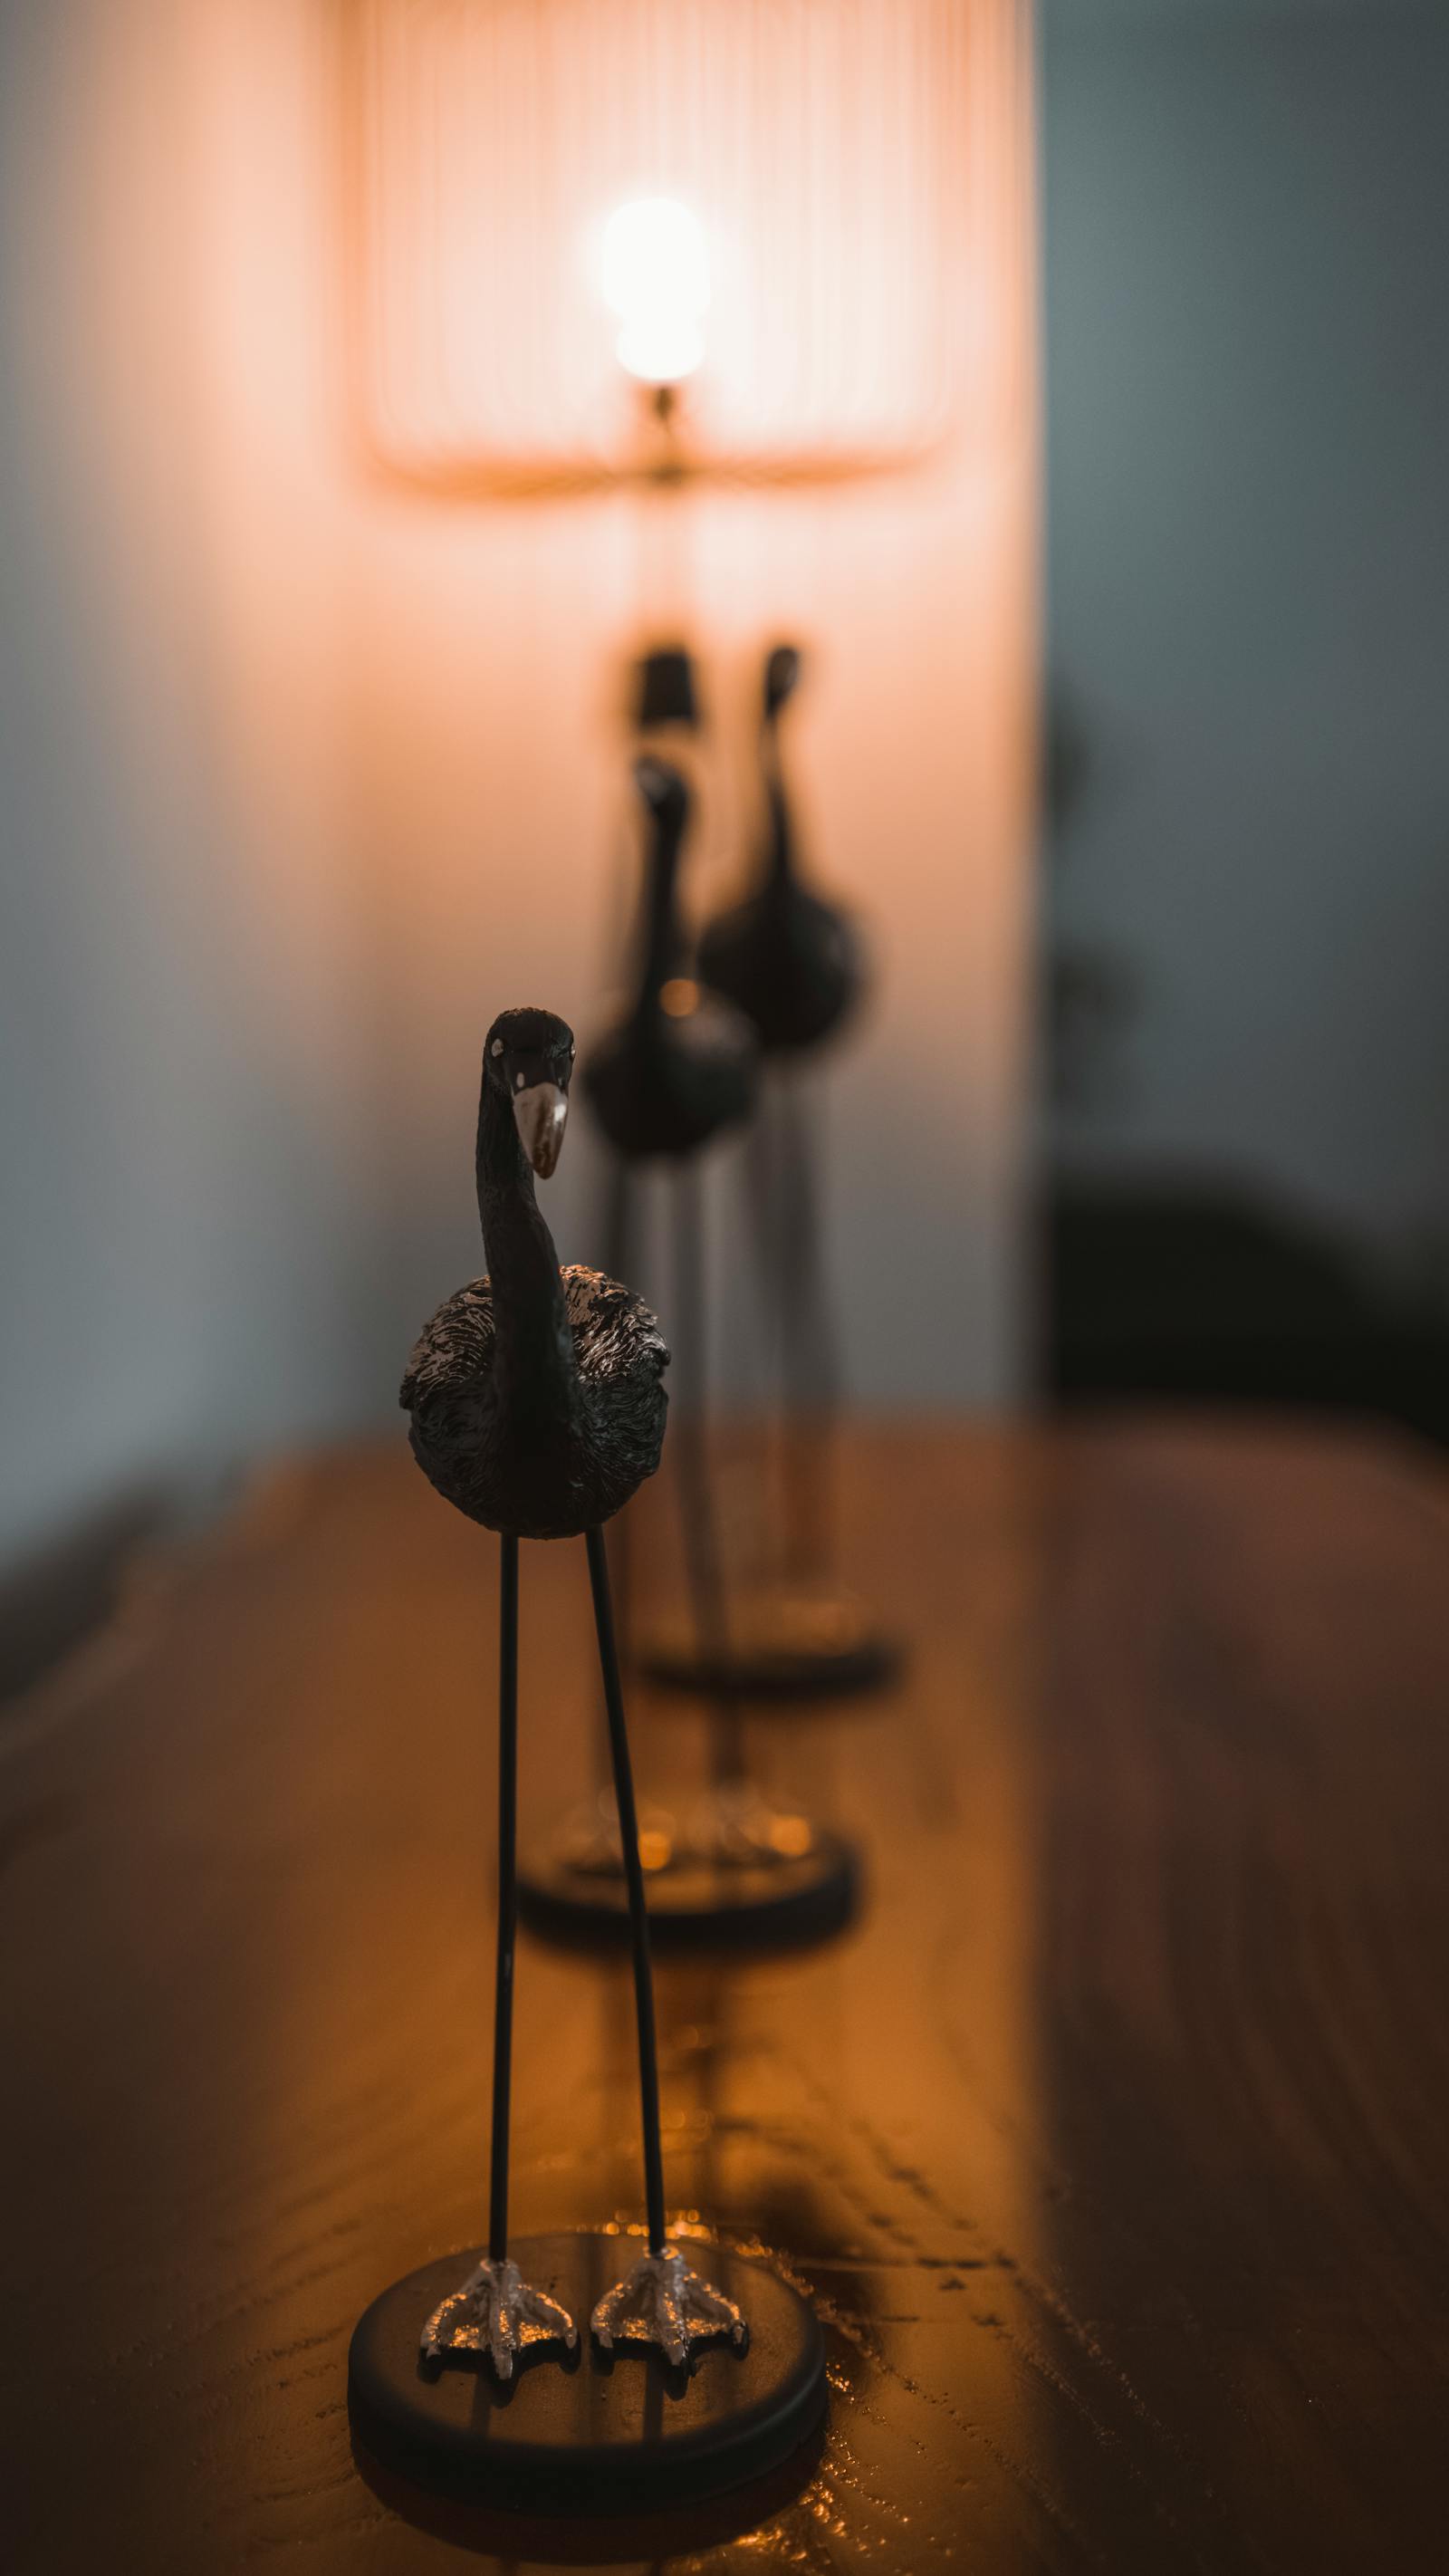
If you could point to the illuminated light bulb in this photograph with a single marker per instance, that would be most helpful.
(656, 279)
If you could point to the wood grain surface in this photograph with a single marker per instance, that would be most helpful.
(1111, 2143)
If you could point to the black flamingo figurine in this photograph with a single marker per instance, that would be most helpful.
(538, 1407)
(674, 1071)
(794, 964)
(788, 960)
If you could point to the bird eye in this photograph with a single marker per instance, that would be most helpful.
(498, 1046)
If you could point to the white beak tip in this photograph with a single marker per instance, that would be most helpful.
(540, 1114)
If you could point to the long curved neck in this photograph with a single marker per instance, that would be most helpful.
(661, 944)
(780, 837)
(535, 1355)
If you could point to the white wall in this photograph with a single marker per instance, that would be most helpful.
(179, 1152)
(1247, 241)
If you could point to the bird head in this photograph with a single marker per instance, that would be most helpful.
(528, 1056)
(782, 678)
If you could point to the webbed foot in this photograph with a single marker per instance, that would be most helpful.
(662, 2301)
(498, 2313)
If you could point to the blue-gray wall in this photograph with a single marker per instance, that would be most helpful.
(1247, 406)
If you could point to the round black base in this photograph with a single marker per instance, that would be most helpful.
(759, 1905)
(782, 1645)
(588, 2431)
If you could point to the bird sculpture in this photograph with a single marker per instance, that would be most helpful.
(681, 1065)
(791, 962)
(795, 965)
(537, 1407)
(676, 1070)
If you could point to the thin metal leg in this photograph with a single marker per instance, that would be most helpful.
(507, 1890)
(704, 1572)
(812, 1372)
(633, 1870)
(763, 1203)
(771, 1395)
(619, 1227)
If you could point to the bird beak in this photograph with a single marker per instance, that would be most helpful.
(540, 1114)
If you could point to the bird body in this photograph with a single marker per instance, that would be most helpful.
(541, 1469)
(536, 1395)
(788, 960)
(681, 1064)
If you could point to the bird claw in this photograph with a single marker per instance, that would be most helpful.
(662, 2301)
(496, 2313)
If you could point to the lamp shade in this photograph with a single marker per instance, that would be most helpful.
(790, 203)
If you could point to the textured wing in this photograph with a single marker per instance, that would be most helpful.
(454, 1348)
(622, 1357)
(616, 1336)
(614, 1332)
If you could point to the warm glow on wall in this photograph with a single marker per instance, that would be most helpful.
(849, 275)
(791, 203)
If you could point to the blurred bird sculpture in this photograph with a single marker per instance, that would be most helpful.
(680, 1066)
(675, 1071)
(538, 1408)
(790, 961)
(793, 963)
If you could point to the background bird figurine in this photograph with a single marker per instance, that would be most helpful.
(681, 1065)
(537, 1406)
(786, 958)
(679, 1068)
(794, 965)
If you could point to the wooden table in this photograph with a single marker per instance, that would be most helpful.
(1112, 2143)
